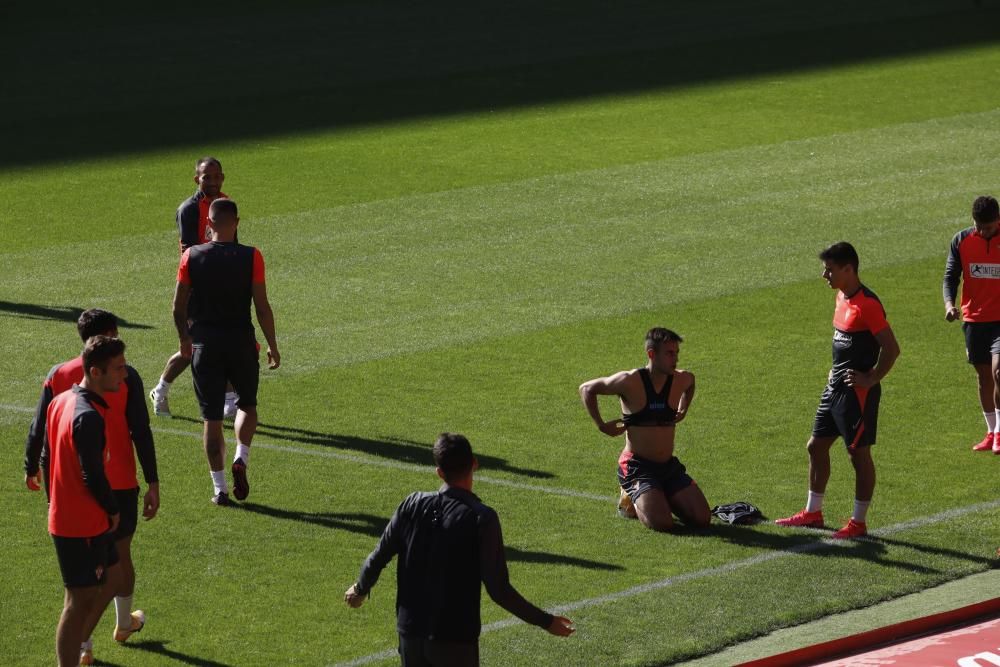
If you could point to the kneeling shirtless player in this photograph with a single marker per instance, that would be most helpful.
(654, 400)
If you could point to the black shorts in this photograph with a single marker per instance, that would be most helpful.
(982, 341)
(637, 476)
(214, 364)
(83, 561)
(128, 507)
(419, 652)
(850, 412)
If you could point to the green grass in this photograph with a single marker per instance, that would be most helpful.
(467, 273)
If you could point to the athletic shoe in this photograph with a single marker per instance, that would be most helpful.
(989, 442)
(160, 406)
(851, 530)
(86, 656)
(229, 410)
(803, 518)
(222, 499)
(241, 487)
(138, 622)
(626, 509)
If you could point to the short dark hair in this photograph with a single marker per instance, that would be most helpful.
(208, 159)
(985, 210)
(99, 350)
(841, 253)
(453, 454)
(658, 335)
(223, 207)
(95, 322)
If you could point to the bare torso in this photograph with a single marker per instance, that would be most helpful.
(653, 443)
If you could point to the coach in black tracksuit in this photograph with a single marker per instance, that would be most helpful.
(448, 542)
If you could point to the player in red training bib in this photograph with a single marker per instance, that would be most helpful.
(974, 260)
(864, 350)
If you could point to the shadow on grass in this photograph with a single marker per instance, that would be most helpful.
(372, 526)
(397, 449)
(33, 311)
(871, 548)
(160, 648)
(114, 78)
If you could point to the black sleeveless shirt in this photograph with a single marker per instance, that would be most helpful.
(657, 411)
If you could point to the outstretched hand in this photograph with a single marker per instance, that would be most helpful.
(561, 627)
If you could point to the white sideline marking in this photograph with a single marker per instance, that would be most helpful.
(364, 460)
(708, 572)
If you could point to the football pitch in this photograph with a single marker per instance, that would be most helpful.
(466, 271)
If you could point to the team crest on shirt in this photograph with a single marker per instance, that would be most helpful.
(980, 270)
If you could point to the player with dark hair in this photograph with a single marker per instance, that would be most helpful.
(974, 260)
(83, 511)
(127, 426)
(216, 284)
(654, 399)
(864, 350)
(449, 544)
(193, 229)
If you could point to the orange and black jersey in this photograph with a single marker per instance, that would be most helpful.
(857, 319)
(192, 219)
(221, 276)
(80, 497)
(975, 261)
(126, 422)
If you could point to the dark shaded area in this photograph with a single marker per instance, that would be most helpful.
(160, 648)
(371, 525)
(397, 449)
(33, 311)
(98, 79)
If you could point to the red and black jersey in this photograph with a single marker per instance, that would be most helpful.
(80, 498)
(857, 319)
(975, 261)
(126, 422)
(221, 277)
(192, 219)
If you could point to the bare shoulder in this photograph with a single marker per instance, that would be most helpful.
(685, 378)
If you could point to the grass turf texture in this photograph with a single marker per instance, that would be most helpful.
(467, 273)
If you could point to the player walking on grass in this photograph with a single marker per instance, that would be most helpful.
(127, 426)
(193, 229)
(449, 544)
(864, 350)
(654, 399)
(83, 511)
(216, 283)
(974, 259)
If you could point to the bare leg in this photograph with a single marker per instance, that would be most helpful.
(819, 463)
(691, 507)
(215, 445)
(987, 386)
(106, 593)
(245, 425)
(176, 365)
(864, 473)
(995, 381)
(69, 633)
(654, 510)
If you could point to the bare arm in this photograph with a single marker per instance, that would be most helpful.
(265, 318)
(613, 385)
(685, 401)
(886, 358)
(182, 294)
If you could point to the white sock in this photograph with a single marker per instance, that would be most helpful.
(815, 502)
(123, 611)
(242, 452)
(991, 420)
(231, 397)
(162, 387)
(860, 510)
(996, 420)
(87, 645)
(219, 481)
